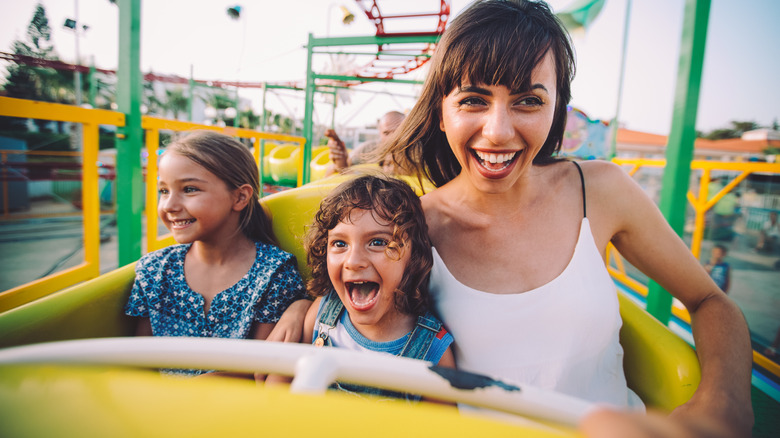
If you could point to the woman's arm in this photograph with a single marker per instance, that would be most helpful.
(308, 323)
(288, 329)
(308, 327)
(643, 236)
(144, 326)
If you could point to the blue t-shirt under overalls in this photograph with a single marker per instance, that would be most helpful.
(427, 341)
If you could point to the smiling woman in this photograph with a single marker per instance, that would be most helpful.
(520, 235)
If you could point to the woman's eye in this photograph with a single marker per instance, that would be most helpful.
(471, 101)
(530, 101)
(378, 242)
(190, 189)
(162, 191)
(338, 244)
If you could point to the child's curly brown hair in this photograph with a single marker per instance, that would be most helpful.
(388, 199)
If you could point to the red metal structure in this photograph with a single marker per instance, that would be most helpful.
(389, 60)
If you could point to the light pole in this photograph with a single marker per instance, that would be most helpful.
(234, 12)
(78, 29)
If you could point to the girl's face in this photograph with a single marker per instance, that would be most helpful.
(495, 132)
(364, 276)
(194, 203)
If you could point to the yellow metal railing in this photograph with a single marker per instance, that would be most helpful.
(701, 205)
(91, 119)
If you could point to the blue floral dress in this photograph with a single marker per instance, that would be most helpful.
(160, 293)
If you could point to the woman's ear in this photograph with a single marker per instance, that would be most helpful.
(243, 195)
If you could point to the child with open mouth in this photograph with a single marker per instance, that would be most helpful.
(370, 255)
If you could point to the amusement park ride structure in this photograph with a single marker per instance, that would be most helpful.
(397, 53)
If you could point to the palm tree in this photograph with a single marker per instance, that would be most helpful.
(176, 101)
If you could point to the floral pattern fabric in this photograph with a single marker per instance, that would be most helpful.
(161, 293)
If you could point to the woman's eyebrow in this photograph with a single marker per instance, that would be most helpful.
(474, 89)
(537, 86)
(485, 92)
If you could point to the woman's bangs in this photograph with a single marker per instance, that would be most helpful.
(492, 58)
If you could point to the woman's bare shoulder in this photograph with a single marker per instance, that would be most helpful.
(433, 206)
(607, 182)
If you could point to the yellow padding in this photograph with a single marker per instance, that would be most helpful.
(319, 164)
(92, 309)
(283, 163)
(660, 366)
(101, 402)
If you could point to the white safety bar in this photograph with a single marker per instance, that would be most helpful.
(314, 370)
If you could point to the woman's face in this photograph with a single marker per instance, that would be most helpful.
(495, 132)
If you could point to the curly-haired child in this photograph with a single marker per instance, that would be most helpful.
(370, 255)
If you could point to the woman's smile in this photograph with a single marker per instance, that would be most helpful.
(495, 165)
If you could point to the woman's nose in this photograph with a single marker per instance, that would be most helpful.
(498, 126)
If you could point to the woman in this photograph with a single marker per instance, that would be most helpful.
(520, 236)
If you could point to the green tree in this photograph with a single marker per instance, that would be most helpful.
(176, 101)
(248, 119)
(154, 105)
(735, 131)
(26, 81)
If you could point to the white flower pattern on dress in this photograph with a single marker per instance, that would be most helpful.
(261, 296)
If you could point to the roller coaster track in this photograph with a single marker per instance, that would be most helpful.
(388, 61)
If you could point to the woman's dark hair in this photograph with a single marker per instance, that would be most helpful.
(231, 162)
(492, 42)
(387, 199)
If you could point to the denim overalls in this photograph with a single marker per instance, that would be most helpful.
(416, 346)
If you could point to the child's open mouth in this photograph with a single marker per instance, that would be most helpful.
(362, 294)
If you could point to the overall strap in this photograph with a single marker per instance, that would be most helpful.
(582, 180)
(421, 338)
(331, 309)
(329, 316)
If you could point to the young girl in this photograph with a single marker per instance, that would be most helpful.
(370, 254)
(226, 278)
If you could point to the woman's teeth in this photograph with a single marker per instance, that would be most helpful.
(495, 159)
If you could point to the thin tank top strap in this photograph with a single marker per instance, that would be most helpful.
(582, 180)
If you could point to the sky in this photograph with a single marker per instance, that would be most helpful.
(267, 44)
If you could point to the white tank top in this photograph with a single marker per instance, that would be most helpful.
(561, 336)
